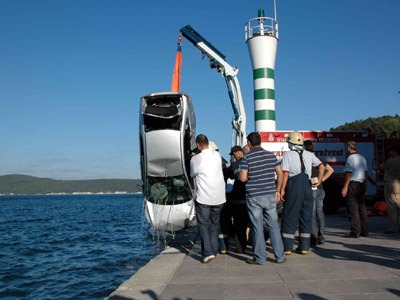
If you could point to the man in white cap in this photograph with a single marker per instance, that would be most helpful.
(297, 194)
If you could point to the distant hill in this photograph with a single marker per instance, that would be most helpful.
(385, 126)
(30, 185)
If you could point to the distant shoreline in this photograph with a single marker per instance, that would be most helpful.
(28, 185)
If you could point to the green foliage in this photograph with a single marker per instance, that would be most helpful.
(386, 126)
(29, 185)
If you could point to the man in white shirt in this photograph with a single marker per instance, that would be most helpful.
(354, 189)
(206, 168)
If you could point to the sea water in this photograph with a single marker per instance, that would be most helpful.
(71, 246)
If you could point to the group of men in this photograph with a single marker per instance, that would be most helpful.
(263, 182)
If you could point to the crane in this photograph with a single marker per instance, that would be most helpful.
(218, 62)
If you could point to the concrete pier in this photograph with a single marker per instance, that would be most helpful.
(342, 268)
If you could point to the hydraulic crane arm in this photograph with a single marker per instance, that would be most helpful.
(217, 60)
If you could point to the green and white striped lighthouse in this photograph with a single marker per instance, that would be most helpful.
(262, 42)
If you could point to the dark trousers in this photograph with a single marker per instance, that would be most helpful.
(240, 221)
(208, 223)
(237, 212)
(297, 210)
(356, 207)
(226, 219)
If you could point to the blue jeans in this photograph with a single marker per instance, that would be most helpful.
(262, 208)
(208, 223)
(318, 223)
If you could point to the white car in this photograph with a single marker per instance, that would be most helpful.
(167, 137)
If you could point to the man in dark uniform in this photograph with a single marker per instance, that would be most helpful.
(297, 194)
(236, 200)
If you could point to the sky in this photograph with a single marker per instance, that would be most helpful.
(72, 74)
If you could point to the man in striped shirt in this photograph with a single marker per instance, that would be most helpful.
(258, 169)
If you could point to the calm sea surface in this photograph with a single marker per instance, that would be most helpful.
(71, 246)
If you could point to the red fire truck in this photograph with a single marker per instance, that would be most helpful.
(330, 146)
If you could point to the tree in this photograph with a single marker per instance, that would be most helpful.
(387, 126)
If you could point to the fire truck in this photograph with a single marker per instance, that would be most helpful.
(330, 146)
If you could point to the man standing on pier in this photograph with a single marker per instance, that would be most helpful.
(206, 168)
(258, 168)
(354, 189)
(297, 194)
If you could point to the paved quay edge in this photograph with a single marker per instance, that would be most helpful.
(150, 280)
(365, 268)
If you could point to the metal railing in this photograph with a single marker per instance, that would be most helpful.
(261, 26)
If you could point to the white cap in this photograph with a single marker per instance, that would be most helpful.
(212, 145)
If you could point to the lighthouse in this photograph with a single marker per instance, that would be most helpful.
(262, 41)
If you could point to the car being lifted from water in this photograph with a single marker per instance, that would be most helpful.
(167, 136)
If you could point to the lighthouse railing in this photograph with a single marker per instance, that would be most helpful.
(261, 26)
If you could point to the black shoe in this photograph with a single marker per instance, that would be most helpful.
(252, 262)
(351, 235)
(313, 240)
(364, 234)
(281, 262)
